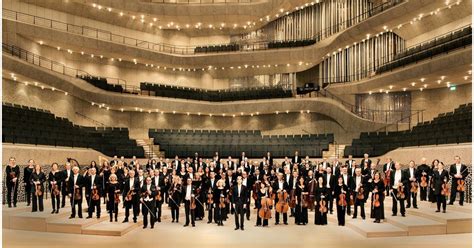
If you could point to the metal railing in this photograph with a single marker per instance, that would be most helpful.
(96, 122)
(108, 36)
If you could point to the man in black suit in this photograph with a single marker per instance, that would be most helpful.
(350, 162)
(242, 158)
(131, 187)
(347, 179)
(209, 189)
(239, 200)
(270, 159)
(230, 164)
(359, 184)
(366, 159)
(412, 176)
(188, 194)
(296, 159)
(93, 182)
(159, 182)
(148, 202)
(387, 169)
(329, 183)
(280, 186)
(66, 175)
(458, 172)
(76, 182)
(423, 170)
(397, 178)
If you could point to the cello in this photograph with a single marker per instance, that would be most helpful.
(311, 194)
(265, 211)
(282, 204)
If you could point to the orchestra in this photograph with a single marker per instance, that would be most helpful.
(244, 189)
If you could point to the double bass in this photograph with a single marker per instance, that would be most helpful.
(311, 186)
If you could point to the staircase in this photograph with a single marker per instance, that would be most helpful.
(148, 147)
(334, 151)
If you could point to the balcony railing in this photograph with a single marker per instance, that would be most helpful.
(105, 35)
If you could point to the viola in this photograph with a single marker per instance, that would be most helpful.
(282, 204)
(305, 200)
(461, 185)
(38, 191)
(210, 199)
(360, 193)
(222, 201)
(424, 182)
(292, 203)
(444, 189)
(342, 200)
(77, 194)
(376, 202)
(55, 189)
(117, 198)
(414, 187)
(158, 195)
(129, 195)
(95, 194)
(322, 206)
(401, 192)
(193, 203)
(351, 200)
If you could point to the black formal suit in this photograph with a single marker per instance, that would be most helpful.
(350, 188)
(412, 196)
(283, 187)
(350, 163)
(295, 159)
(359, 203)
(270, 161)
(454, 182)
(76, 188)
(239, 200)
(12, 187)
(330, 183)
(369, 162)
(26, 180)
(148, 204)
(210, 186)
(94, 205)
(187, 204)
(439, 178)
(37, 200)
(134, 203)
(159, 183)
(395, 200)
(423, 170)
(66, 175)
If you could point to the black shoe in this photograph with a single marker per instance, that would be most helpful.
(394, 214)
(407, 207)
(54, 210)
(88, 217)
(377, 221)
(144, 227)
(57, 211)
(353, 217)
(185, 225)
(403, 215)
(209, 222)
(450, 203)
(363, 218)
(277, 223)
(193, 225)
(242, 228)
(9, 205)
(236, 228)
(80, 217)
(159, 220)
(285, 223)
(72, 217)
(134, 220)
(152, 227)
(444, 211)
(460, 204)
(437, 211)
(415, 207)
(125, 221)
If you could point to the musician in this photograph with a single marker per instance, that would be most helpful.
(239, 202)
(270, 159)
(174, 195)
(211, 185)
(329, 183)
(76, 182)
(423, 172)
(114, 161)
(280, 186)
(320, 211)
(296, 159)
(398, 180)
(458, 173)
(66, 176)
(359, 186)
(93, 183)
(148, 194)
(387, 168)
(366, 168)
(323, 164)
(292, 183)
(37, 179)
(188, 195)
(131, 189)
(340, 191)
(12, 173)
(199, 195)
(113, 197)
(433, 168)
(159, 181)
(26, 180)
(152, 165)
(219, 198)
(411, 172)
(54, 181)
(348, 181)
(350, 162)
(366, 159)
(377, 187)
(440, 181)
(263, 192)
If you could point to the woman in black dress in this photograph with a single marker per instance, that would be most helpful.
(301, 209)
(340, 191)
(440, 180)
(320, 217)
(54, 181)
(113, 196)
(175, 198)
(200, 196)
(37, 180)
(218, 194)
(431, 193)
(377, 187)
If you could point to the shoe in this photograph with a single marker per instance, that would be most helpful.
(330, 212)
(54, 210)
(415, 207)
(14, 205)
(403, 215)
(116, 220)
(285, 223)
(277, 223)
(144, 227)
(172, 221)
(152, 227)
(394, 214)
(209, 222)
(353, 217)
(80, 217)
(437, 211)
(185, 225)
(125, 221)
(407, 207)
(9, 205)
(444, 211)
(242, 228)
(363, 218)
(377, 221)
(159, 220)
(57, 211)
(88, 217)
(460, 204)
(450, 203)
(236, 228)
(135, 221)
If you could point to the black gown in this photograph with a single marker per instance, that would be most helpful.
(377, 213)
(301, 212)
(320, 218)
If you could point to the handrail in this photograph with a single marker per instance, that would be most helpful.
(183, 50)
(370, 70)
(409, 117)
(90, 119)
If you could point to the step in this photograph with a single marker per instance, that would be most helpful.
(66, 225)
(416, 225)
(466, 208)
(37, 221)
(107, 228)
(456, 222)
(375, 230)
(8, 212)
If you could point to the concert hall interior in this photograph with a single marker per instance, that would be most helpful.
(230, 123)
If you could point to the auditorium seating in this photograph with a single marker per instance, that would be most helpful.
(445, 43)
(290, 43)
(232, 142)
(164, 90)
(28, 125)
(448, 128)
(263, 45)
(217, 48)
(102, 83)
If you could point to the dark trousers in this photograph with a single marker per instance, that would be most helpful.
(64, 193)
(440, 199)
(158, 210)
(12, 188)
(94, 206)
(37, 203)
(73, 207)
(239, 213)
(454, 191)
(259, 220)
(55, 201)
(348, 200)
(189, 212)
(148, 208)
(113, 211)
(330, 202)
(27, 193)
(423, 194)
(395, 202)
(219, 215)
(247, 210)
(361, 204)
(341, 215)
(411, 198)
(277, 218)
(135, 206)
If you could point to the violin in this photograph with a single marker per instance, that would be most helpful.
(129, 195)
(95, 194)
(351, 200)
(304, 200)
(376, 202)
(414, 187)
(77, 194)
(342, 200)
(255, 186)
(38, 191)
(292, 203)
(210, 199)
(445, 189)
(55, 189)
(282, 205)
(360, 193)
(401, 192)
(424, 182)
(461, 185)
(322, 206)
(158, 195)
(193, 203)
(117, 198)
(222, 201)
(265, 211)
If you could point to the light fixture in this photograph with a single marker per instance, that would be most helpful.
(413, 84)
(404, 89)
(121, 109)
